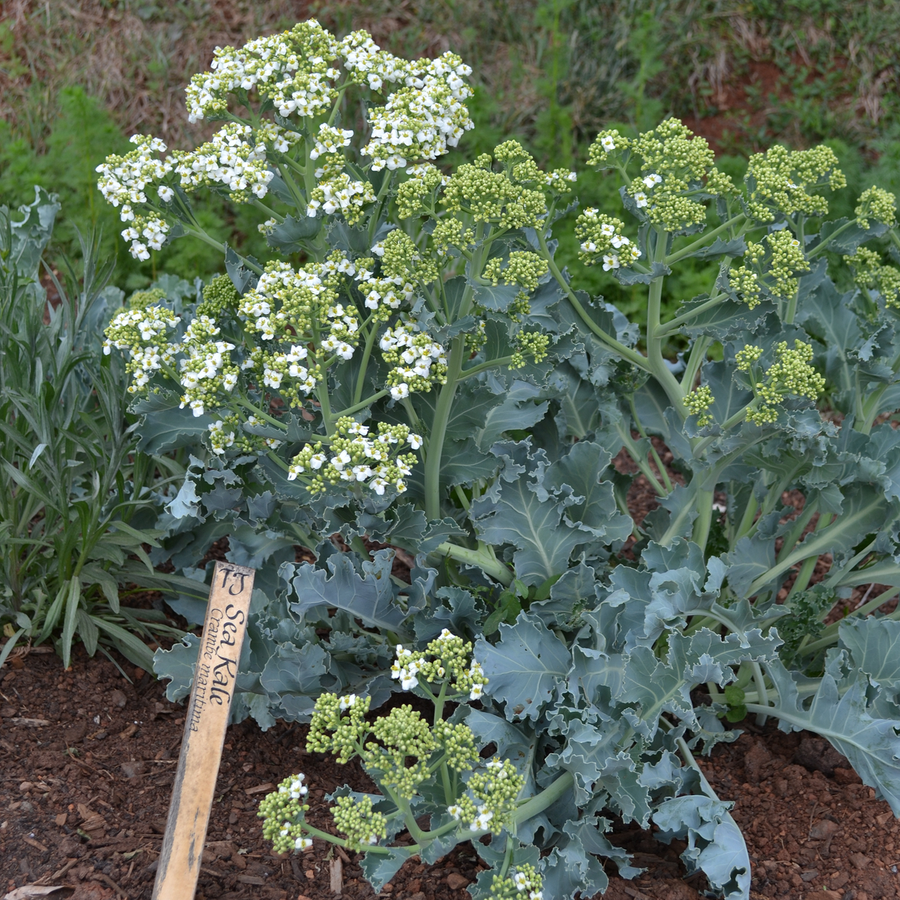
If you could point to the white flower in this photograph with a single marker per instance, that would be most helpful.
(607, 142)
(165, 193)
(303, 843)
(348, 701)
(640, 199)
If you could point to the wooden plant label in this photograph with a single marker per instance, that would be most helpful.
(204, 733)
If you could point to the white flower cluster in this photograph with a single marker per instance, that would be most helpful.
(601, 237)
(233, 158)
(419, 362)
(291, 69)
(207, 369)
(296, 789)
(330, 140)
(340, 193)
(303, 303)
(450, 660)
(423, 118)
(140, 332)
(367, 63)
(356, 458)
(383, 294)
(527, 883)
(123, 182)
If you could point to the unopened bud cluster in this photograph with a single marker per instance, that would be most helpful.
(524, 884)
(782, 182)
(791, 375)
(698, 402)
(283, 812)
(771, 267)
(491, 801)
(871, 273)
(675, 165)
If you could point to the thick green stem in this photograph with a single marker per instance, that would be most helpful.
(796, 532)
(546, 798)
(489, 566)
(659, 367)
(364, 364)
(362, 404)
(831, 239)
(439, 429)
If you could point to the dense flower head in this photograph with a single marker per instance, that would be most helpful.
(338, 725)
(791, 375)
(512, 198)
(417, 362)
(292, 69)
(772, 265)
(602, 239)
(302, 305)
(341, 193)
(234, 158)
(283, 813)
(878, 204)
(422, 118)
(782, 181)
(403, 261)
(608, 149)
(870, 273)
(357, 818)
(206, 370)
(403, 743)
(529, 344)
(353, 457)
(523, 268)
(417, 195)
(141, 333)
(446, 659)
(220, 296)
(124, 179)
(493, 791)
(674, 164)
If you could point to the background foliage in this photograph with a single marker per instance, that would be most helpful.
(77, 78)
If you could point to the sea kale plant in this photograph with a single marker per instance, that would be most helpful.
(412, 390)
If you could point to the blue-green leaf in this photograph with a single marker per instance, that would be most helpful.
(524, 667)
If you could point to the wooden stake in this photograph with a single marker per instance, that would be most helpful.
(204, 733)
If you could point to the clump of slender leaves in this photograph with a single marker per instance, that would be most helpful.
(77, 503)
(412, 367)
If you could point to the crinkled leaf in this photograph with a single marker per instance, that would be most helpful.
(715, 843)
(874, 646)
(293, 233)
(370, 598)
(178, 665)
(524, 667)
(380, 868)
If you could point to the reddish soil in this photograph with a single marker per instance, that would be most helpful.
(88, 761)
